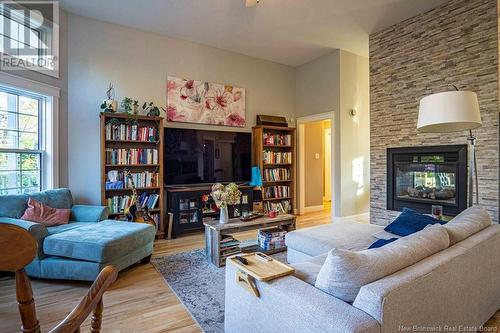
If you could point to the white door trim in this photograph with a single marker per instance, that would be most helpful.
(301, 121)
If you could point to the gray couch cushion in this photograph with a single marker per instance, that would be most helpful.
(345, 272)
(341, 235)
(308, 271)
(467, 223)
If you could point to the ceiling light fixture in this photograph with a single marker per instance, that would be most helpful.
(251, 3)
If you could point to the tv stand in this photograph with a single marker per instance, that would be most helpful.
(189, 207)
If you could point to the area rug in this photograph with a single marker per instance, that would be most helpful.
(199, 285)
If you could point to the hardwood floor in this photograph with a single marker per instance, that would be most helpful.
(140, 300)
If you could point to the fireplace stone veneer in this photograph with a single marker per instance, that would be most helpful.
(420, 177)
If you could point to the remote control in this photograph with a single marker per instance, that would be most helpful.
(262, 257)
(242, 260)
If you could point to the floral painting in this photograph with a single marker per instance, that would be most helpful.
(193, 101)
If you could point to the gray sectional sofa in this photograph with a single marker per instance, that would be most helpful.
(440, 276)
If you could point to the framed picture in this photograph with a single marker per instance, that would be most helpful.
(193, 101)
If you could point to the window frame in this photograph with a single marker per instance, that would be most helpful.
(40, 149)
(49, 134)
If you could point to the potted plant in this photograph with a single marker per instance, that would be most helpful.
(224, 196)
(135, 106)
(109, 104)
(151, 110)
(126, 105)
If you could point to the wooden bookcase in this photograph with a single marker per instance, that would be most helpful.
(120, 143)
(263, 148)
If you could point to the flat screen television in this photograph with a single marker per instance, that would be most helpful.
(205, 157)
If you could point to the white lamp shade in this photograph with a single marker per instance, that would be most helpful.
(449, 111)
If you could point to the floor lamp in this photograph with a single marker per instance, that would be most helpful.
(453, 111)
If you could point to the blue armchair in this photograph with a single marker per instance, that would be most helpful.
(80, 249)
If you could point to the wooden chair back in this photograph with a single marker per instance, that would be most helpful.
(21, 249)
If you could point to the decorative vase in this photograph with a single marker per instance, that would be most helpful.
(110, 105)
(224, 215)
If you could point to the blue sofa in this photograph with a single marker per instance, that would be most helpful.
(80, 249)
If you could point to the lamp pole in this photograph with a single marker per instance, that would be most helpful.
(473, 178)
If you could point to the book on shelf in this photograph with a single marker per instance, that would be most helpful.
(126, 156)
(282, 207)
(272, 192)
(277, 139)
(118, 180)
(124, 132)
(117, 203)
(276, 174)
(277, 157)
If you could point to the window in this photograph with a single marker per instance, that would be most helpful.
(29, 36)
(21, 146)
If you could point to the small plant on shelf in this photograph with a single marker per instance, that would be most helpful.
(224, 196)
(109, 104)
(126, 105)
(151, 110)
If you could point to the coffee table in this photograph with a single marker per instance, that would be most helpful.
(215, 230)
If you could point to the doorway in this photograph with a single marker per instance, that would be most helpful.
(316, 163)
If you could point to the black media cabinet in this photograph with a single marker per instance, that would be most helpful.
(190, 207)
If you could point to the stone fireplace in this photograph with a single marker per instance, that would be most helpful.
(420, 177)
(456, 43)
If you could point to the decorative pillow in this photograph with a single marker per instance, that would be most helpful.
(410, 221)
(467, 223)
(46, 215)
(382, 234)
(381, 242)
(345, 272)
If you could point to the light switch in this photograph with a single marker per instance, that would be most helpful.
(316, 156)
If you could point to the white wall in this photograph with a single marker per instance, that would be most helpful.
(338, 82)
(354, 134)
(137, 63)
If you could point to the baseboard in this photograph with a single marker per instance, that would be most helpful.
(311, 209)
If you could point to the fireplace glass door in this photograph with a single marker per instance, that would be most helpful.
(420, 177)
(426, 182)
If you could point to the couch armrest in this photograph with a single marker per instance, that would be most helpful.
(86, 213)
(37, 230)
(290, 305)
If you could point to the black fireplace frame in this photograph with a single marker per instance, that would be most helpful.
(397, 204)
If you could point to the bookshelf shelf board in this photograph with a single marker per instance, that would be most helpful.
(276, 199)
(129, 189)
(270, 165)
(132, 141)
(129, 116)
(277, 181)
(131, 165)
(156, 210)
(278, 146)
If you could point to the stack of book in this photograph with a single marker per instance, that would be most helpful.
(117, 204)
(272, 192)
(276, 174)
(142, 179)
(125, 132)
(148, 200)
(229, 246)
(281, 207)
(271, 239)
(273, 157)
(276, 139)
(131, 156)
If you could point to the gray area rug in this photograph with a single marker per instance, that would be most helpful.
(199, 285)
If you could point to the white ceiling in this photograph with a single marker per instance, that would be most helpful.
(290, 32)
